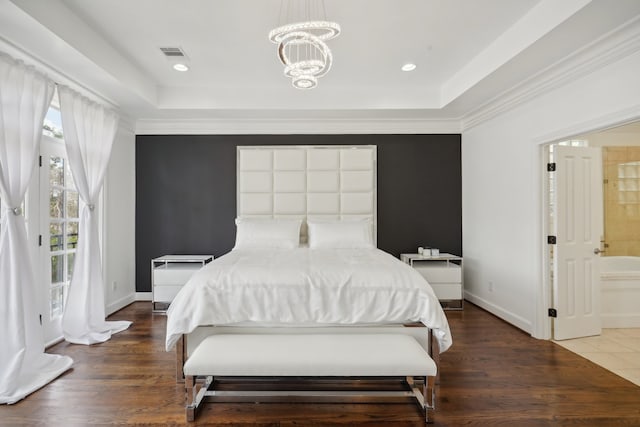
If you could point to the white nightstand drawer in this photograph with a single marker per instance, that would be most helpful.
(446, 291)
(438, 274)
(444, 274)
(165, 293)
(169, 273)
(174, 273)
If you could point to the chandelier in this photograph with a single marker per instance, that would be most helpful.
(301, 44)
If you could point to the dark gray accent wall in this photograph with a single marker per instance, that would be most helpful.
(186, 192)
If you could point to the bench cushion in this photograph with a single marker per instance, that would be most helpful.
(310, 355)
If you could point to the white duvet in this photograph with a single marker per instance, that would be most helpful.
(305, 287)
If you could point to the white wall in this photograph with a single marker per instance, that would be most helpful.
(502, 186)
(119, 222)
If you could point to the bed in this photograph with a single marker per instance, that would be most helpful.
(305, 288)
(305, 260)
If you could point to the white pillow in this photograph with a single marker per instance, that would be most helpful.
(267, 233)
(340, 234)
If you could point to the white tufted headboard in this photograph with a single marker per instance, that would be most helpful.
(317, 182)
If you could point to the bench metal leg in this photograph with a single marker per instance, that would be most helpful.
(189, 388)
(194, 394)
(430, 397)
(422, 389)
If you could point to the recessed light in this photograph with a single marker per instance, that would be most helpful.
(409, 67)
(180, 67)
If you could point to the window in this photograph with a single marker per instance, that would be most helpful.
(60, 209)
(52, 125)
(63, 228)
(574, 143)
(628, 184)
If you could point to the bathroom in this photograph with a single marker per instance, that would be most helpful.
(620, 260)
(617, 347)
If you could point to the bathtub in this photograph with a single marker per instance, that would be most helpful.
(629, 265)
(620, 286)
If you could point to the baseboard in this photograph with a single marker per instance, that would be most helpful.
(612, 321)
(500, 312)
(121, 303)
(53, 342)
(143, 296)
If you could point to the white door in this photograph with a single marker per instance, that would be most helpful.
(578, 230)
(59, 208)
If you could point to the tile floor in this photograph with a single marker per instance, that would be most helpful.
(617, 350)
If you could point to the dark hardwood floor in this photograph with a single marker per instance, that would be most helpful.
(494, 375)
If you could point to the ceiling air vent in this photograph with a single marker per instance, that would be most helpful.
(172, 52)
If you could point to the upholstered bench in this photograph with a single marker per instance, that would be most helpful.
(312, 357)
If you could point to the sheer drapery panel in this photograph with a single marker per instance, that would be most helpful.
(89, 131)
(25, 95)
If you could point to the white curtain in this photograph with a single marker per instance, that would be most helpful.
(24, 366)
(89, 130)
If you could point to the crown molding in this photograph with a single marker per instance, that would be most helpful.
(127, 123)
(296, 126)
(610, 48)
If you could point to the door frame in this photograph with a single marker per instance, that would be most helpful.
(542, 327)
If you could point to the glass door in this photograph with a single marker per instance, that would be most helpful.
(60, 206)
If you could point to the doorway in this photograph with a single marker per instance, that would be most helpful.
(621, 202)
(59, 204)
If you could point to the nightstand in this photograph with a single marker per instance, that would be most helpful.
(444, 274)
(169, 273)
